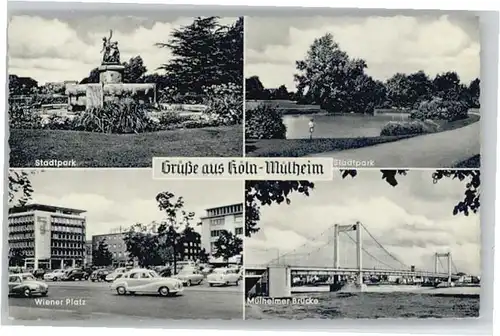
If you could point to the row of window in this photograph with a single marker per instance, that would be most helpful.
(66, 253)
(216, 233)
(70, 229)
(77, 237)
(21, 228)
(225, 210)
(22, 244)
(238, 231)
(67, 245)
(18, 236)
(22, 219)
(70, 221)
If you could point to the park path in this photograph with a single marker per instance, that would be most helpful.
(438, 150)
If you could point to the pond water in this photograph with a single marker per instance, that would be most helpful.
(338, 126)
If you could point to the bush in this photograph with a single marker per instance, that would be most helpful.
(56, 122)
(172, 118)
(200, 123)
(439, 109)
(225, 103)
(264, 122)
(24, 117)
(395, 128)
(116, 117)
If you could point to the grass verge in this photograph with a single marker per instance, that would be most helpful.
(304, 147)
(121, 150)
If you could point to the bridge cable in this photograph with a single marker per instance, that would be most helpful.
(382, 247)
(371, 255)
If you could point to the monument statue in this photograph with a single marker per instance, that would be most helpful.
(110, 51)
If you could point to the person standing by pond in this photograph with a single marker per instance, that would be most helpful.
(311, 128)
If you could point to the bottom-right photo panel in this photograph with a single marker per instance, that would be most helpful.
(368, 244)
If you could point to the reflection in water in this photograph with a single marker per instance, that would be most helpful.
(338, 126)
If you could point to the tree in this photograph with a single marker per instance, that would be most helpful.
(227, 245)
(264, 122)
(447, 86)
(16, 258)
(254, 88)
(420, 88)
(474, 91)
(205, 53)
(262, 193)
(329, 77)
(93, 77)
(203, 256)
(134, 70)
(144, 246)
(177, 219)
(21, 85)
(101, 256)
(398, 90)
(20, 188)
(281, 93)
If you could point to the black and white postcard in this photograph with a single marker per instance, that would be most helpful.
(389, 90)
(369, 244)
(115, 88)
(117, 245)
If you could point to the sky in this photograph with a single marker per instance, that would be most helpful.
(54, 46)
(412, 221)
(123, 197)
(434, 43)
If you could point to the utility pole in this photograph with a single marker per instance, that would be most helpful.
(336, 246)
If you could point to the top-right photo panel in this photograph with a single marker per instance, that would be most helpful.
(395, 91)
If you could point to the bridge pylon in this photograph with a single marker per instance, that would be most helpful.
(359, 247)
(437, 259)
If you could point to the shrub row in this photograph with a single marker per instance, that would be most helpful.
(264, 122)
(439, 109)
(398, 128)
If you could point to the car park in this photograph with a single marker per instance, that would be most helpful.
(146, 281)
(25, 284)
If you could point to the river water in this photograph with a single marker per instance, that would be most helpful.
(370, 305)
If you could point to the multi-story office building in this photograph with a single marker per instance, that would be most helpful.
(229, 218)
(192, 248)
(88, 253)
(116, 246)
(49, 237)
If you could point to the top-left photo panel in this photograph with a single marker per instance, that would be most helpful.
(116, 88)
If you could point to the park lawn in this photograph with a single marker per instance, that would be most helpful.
(473, 162)
(90, 149)
(304, 147)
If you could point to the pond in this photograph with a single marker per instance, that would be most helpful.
(338, 126)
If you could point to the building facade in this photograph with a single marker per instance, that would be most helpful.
(229, 218)
(88, 253)
(191, 248)
(116, 245)
(48, 237)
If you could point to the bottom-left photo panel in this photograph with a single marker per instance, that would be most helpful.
(116, 244)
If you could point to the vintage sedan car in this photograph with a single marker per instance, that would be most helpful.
(115, 274)
(26, 285)
(99, 275)
(146, 281)
(224, 276)
(190, 276)
(75, 274)
(54, 275)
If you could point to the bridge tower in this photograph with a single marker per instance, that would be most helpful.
(359, 248)
(437, 258)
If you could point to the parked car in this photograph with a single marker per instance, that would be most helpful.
(190, 276)
(146, 281)
(39, 273)
(26, 285)
(165, 272)
(224, 276)
(75, 274)
(115, 274)
(54, 275)
(99, 275)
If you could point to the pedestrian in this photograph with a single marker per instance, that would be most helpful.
(311, 128)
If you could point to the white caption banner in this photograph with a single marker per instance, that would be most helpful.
(243, 168)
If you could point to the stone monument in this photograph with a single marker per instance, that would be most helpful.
(110, 87)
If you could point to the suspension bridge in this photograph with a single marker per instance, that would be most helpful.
(339, 254)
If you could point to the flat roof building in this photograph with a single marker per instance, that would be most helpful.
(49, 237)
(227, 217)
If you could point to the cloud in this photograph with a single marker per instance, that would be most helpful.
(54, 50)
(388, 44)
(412, 235)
